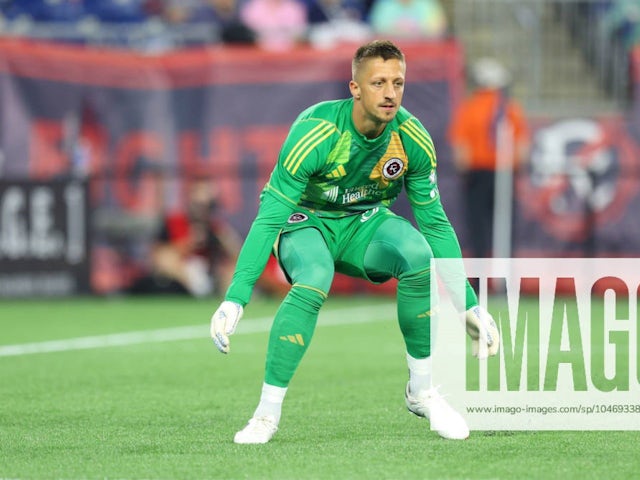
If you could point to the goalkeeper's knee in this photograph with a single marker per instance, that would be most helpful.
(306, 297)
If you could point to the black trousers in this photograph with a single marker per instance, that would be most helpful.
(479, 199)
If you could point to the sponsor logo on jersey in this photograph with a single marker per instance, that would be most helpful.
(361, 192)
(332, 194)
(297, 218)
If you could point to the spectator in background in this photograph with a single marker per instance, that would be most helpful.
(335, 21)
(486, 126)
(181, 11)
(278, 24)
(621, 22)
(321, 11)
(226, 14)
(195, 249)
(424, 19)
(223, 15)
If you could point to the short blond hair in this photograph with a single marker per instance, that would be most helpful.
(384, 49)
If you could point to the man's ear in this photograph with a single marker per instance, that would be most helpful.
(354, 88)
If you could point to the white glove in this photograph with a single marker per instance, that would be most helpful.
(224, 322)
(485, 338)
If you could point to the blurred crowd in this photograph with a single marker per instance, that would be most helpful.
(606, 31)
(274, 24)
(614, 21)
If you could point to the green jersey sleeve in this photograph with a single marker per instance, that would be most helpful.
(424, 197)
(300, 158)
(257, 247)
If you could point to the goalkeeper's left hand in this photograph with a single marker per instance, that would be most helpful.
(485, 338)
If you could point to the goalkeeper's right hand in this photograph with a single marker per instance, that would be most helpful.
(224, 322)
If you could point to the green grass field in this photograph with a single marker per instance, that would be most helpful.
(143, 404)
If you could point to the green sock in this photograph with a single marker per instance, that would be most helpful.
(291, 333)
(415, 312)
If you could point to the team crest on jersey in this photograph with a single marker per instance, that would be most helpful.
(297, 218)
(392, 165)
(393, 168)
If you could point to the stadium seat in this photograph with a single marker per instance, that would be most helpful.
(118, 11)
(47, 10)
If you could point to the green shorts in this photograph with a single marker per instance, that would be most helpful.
(347, 238)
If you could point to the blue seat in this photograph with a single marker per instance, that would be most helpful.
(48, 10)
(117, 11)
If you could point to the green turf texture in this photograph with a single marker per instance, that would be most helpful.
(169, 410)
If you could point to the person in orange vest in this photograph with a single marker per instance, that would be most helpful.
(488, 128)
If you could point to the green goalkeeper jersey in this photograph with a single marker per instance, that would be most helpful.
(328, 167)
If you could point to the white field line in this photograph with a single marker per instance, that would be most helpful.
(343, 316)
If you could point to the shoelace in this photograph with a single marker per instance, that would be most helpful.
(263, 424)
(435, 395)
(432, 394)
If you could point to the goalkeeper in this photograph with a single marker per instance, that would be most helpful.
(325, 210)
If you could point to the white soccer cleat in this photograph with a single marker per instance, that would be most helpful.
(443, 419)
(258, 430)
